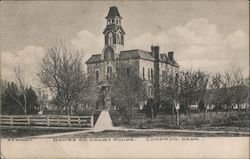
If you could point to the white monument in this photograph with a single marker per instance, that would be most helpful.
(103, 122)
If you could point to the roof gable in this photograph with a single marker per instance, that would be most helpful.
(113, 27)
(94, 58)
(136, 54)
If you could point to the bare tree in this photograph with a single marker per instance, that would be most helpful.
(240, 87)
(215, 86)
(234, 88)
(61, 70)
(192, 87)
(127, 90)
(20, 91)
(169, 91)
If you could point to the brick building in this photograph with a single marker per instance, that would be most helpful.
(150, 65)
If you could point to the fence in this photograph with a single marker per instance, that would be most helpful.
(47, 120)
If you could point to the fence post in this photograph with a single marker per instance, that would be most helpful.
(58, 121)
(11, 120)
(79, 120)
(92, 121)
(48, 121)
(28, 118)
(69, 121)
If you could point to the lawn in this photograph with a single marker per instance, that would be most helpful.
(12, 132)
(236, 121)
(127, 134)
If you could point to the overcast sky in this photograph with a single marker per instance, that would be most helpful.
(210, 35)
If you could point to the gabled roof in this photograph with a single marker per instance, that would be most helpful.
(113, 12)
(94, 58)
(136, 54)
(113, 27)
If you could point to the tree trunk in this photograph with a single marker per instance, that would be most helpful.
(152, 113)
(173, 107)
(177, 118)
(186, 106)
(216, 108)
(227, 114)
(131, 114)
(25, 103)
(205, 111)
(238, 106)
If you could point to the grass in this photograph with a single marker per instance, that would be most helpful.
(236, 121)
(29, 131)
(132, 134)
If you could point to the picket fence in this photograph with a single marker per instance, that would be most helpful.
(47, 120)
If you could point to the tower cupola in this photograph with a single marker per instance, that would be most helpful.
(114, 33)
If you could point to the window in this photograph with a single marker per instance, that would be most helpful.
(97, 76)
(113, 21)
(116, 21)
(119, 37)
(152, 74)
(143, 73)
(110, 38)
(128, 70)
(151, 90)
(109, 72)
(148, 73)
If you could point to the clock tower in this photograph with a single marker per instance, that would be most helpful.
(113, 34)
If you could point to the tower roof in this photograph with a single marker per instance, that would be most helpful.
(113, 12)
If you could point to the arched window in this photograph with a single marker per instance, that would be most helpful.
(109, 72)
(119, 38)
(108, 53)
(128, 71)
(110, 38)
(97, 76)
(148, 73)
(152, 74)
(143, 73)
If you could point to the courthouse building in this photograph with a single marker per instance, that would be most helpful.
(150, 65)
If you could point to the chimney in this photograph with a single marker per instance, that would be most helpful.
(171, 55)
(155, 52)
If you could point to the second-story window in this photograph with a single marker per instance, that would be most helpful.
(97, 76)
(148, 73)
(128, 71)
(143, 73)
(152, 74)
(109, 72)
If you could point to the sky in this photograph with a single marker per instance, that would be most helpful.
(210, 35)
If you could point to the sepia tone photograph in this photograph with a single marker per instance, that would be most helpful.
(125, 79)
